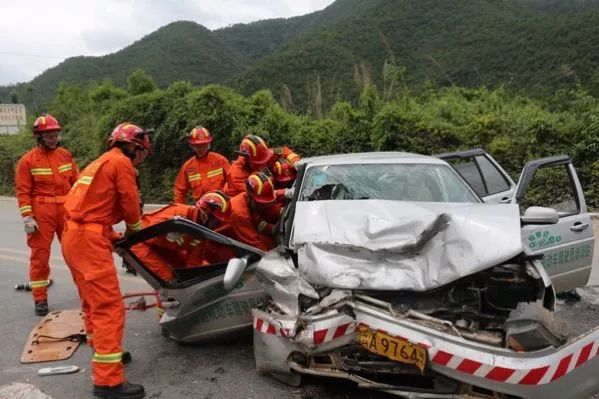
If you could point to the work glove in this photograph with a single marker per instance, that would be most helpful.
(175, 237)
(286, 193)
(289, 192)
(30, 225)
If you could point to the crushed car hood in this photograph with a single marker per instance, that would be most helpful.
(392, 245)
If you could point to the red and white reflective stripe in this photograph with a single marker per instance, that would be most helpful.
(267, 328)
(329, 334)
(525, 376)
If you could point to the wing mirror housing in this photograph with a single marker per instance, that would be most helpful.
(540, 215)
(235, 269)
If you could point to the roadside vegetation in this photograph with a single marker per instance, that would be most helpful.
(390, 117)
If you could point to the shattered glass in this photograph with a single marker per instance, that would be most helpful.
(398, 182)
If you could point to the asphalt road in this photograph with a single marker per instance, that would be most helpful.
(166, 369)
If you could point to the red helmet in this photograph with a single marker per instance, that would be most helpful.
(46, 123)
(256, 149)
(217, 204)
(260, 188)
(129, 133)
(199, 135)
(283, 171)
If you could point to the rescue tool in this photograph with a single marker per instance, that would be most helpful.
(27, 286)
(57, 370)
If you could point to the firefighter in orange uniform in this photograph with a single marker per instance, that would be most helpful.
(44, 175)
(246, 206)
(203, 172)
(283, 176)
(254, 155)
(104, 195)
(173, 250)
(160, 252)
(217, 206)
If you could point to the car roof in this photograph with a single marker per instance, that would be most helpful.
(371, 157)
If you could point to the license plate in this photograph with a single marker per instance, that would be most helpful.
(393, 348)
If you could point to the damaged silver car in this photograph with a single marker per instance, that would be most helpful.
(395, 274)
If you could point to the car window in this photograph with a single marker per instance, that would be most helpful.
(495, 181)
(552, 187)
(467, 168)
(399, 182)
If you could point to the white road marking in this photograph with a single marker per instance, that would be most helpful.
(63, 267)
(22, 252)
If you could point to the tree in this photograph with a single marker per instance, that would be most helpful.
(140, 82)
(14, 97)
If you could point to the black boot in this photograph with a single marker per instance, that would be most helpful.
(126, 390)
(41, 308)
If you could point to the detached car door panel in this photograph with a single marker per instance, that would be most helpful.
(197, 306)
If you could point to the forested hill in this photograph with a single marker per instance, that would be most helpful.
(178, 51)
(535, 46)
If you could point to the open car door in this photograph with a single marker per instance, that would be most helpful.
(566, 246)
(197, 305)
(486, 177)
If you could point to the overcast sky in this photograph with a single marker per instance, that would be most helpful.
(38, 34)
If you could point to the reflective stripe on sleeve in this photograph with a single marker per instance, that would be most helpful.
(65, 168)
(134, 226)
(86, 180)
(25, 209)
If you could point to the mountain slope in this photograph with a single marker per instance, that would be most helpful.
(178, 51)
(535, 46)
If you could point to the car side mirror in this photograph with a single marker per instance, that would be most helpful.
(235, 269)
(540, 215)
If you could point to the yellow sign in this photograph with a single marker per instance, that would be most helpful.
(393, 348)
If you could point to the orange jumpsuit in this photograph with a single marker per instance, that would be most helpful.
(104, 194)
(237, 176)
(159, 252)
(43, 179)
(208, 252)
(243, 225)
(240, 169)
(200, 175)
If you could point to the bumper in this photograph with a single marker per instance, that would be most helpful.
(288, 347)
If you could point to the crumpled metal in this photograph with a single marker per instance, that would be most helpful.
(397, 245)
(282, 282)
